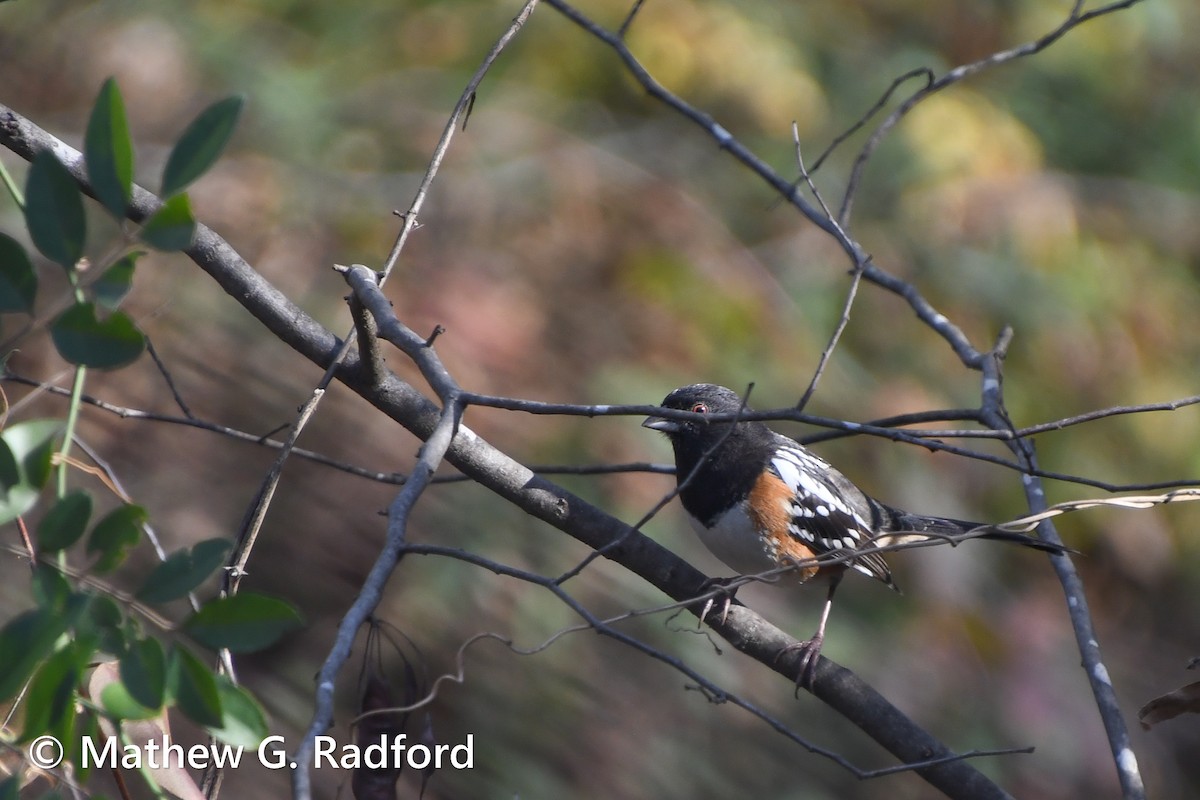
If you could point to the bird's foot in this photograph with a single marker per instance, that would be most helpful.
(806, 664)
(722, 595)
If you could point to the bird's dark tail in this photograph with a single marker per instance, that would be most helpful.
(902, 522)
(1027, 541)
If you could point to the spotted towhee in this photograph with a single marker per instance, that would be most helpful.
(761, 502)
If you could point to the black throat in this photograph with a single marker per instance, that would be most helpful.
(718, 479)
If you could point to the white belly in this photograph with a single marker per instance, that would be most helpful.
(735, 540)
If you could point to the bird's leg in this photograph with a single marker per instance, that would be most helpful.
(724, 597)
(810, 651)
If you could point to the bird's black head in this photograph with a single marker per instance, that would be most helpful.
(691, 438)
(699, 398)
(722, 458)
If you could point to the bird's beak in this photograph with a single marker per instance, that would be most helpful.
(662, 424)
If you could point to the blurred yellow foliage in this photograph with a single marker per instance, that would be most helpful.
(711, 52)
(963, 133)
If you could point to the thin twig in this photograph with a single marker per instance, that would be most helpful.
(851, 293)
(257, 512)
(661, 504)
(1086, 638)
(784, 188)
(624, 28)
(166, 374)
(1074, 19)
(466, 102)
(263, 440)
(925, 311)
(919, 72)
(88, 578)
(605, 627)
(838, 429)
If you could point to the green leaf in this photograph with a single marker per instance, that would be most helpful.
(10, 470)
(87, 730)
(32, 443)
(65, 523)
(183, 571)
(104, 611)
(18, 280)
(194, 688)
(24, 642)
(117, 700)
(54, 210)
(51, 695)
(200, 145)
(50, 588)
(243, 722)
(18, 501)
(115, 535)
(104, 621)
(172, 227)
(243, 623)
(29, 446)
(144, 672)
(82, 338)
(108, 151)
(111, 287)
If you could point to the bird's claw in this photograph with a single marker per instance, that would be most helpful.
(806, 664)
(724, 597)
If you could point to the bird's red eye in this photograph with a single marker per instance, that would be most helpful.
(699, 408)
